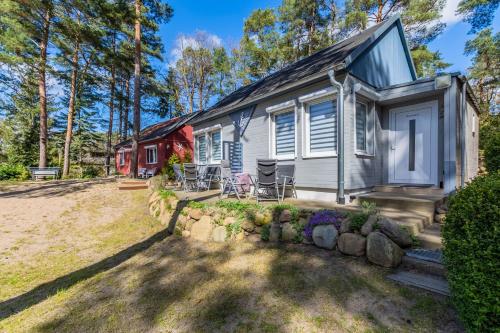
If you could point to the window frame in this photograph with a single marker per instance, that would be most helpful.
(207, 133)
(273, 111)
(210, 157)
(306, 106)
(121, 158)
(155, 149)
(370, 139)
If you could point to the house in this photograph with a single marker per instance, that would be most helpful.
(156, 144)
(349, 117)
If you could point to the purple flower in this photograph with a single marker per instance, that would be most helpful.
(323, 217)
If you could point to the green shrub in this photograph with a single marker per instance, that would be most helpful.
(472, 250)
(197, 205)
(187, 157)
(91, 171)
(173, 159)
(492, 153)
(265, 232)
(13, 172)
(167, 194)
(357, 220)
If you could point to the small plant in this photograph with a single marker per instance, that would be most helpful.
(197, 205)
(279, 208)
(91, 171)
(265, 232)
(13, 171)
(357, 220)
(323, 217)
(187, 157)
(368, 208)
(167, 194)
(234, 228)
(173, 159)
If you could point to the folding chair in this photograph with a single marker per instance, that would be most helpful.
(212, 174)
(229, 183)
(286, 179)
(191, 177)
(266, 184)
(179, 176)
(141, 173)
(151, 172)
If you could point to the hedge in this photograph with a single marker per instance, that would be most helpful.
(471, 253)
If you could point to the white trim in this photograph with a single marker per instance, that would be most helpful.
(272, 129)
(121, 154)
(210, 159)
(151, 147)
(207, 129)
(281, 107)
(370, 110)
(434, 140)
(207, 133)
(313, 99)
(317, 94)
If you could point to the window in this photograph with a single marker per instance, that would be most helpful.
(122, 158)
(320, 120)
(215, 147)
(364, 127)
(151, 155)
(284, 135)
(201, 148)
(361, 127)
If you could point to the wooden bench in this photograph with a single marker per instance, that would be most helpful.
(37, 173)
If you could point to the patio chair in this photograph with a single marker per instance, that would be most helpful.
(179, 175)
(151, 172)
(266, 184)
(229, 183)
(141, 172)
(191, 177)
(286, 179)
(212, 174)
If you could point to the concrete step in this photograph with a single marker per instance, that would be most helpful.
(422, 266)
(131, 187)
(413, 222)
(427, 282)
(408, 189)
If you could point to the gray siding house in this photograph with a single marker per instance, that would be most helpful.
(349, 117)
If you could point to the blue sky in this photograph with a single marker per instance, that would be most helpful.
(224, 19)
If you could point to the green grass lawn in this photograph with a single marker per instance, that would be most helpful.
(178, 285)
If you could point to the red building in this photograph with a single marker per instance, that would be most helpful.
(156, 144)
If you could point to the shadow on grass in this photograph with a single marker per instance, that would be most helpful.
(45, 290)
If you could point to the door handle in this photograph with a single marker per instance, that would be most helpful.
(393, 147)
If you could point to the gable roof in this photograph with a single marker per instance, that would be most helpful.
(339, 55)
(159, 130)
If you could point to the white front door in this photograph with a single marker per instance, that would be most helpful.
(413, 151)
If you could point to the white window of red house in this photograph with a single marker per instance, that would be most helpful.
(122, 157)
(151, 154)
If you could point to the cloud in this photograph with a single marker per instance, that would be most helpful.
(449, 15)
(200, 38)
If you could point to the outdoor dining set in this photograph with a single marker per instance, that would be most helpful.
(270, 182)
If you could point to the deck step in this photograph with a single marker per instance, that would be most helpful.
(408, 189)
(132, 187)
(427, 282)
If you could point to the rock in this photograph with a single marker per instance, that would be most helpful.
(325, 236)
(219, 234)
(189, 224)
(352, 244)
(240, 236)
(395, 232)
(173, 203)
(229, 220)
(345, 226)
(369, 224)
(166, 217)
(288, 233)
(285, 216)
(441, 210)
(303, 221)
(186, 233)
(307, 241)
(275, 232)
(182, 220)
(248, 226)
(263, 218)
(382, 251)
(202, 229)
(439, 218)
(153, 198)
(154, 209)
(258, 230)
(196, 214)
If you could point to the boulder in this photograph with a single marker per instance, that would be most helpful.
(275, 232)
(345, 226)
(395, 232)
(240, 236)
(248, 226)
(263, 218)
(196, 214)
(369, 225)
(288, 233)
(352, 244)
(285, 216)
(219, 234)
(153, 198)
(202, 229)
(229, 220)
(382, 251)
(258, 230)
(165, 218)
(325, 236)
(186, 233)
(439, 218)
(182, 220)
(189, 224)
(441, 210)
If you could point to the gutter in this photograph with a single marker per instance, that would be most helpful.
(463, 156)
(340, 133)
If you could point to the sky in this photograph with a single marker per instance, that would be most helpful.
(224, 20)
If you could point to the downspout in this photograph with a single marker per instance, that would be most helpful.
(340, 137)
(463, 108)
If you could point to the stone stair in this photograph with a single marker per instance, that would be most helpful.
(131, 185)
(413, 208)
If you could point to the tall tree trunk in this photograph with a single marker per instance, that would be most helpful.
(137, 89)
(71, 109)
(200, 94)
(111, 113)
(191, 101)
(127, 107)
(42, 90)
(120, 110)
